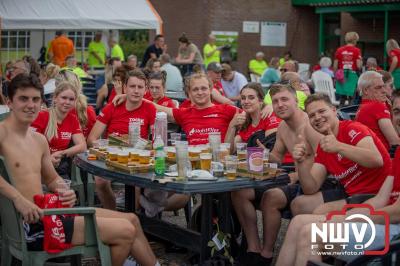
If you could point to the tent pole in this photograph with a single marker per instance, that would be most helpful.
(385, 37)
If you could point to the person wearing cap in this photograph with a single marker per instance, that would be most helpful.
(174, 77)
(214, 71)
(60, 48)
(97, 52)
(258, 65)
(211, 52)
(232, 82)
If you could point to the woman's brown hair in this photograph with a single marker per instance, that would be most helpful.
(255, 86)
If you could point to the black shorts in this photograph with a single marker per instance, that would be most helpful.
(331, 191)
(34, 233)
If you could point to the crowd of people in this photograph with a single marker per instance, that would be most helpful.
(333, 160)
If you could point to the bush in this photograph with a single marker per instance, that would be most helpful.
(134, 42)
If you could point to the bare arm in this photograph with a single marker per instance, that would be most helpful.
(79, 145)
(101, 96)
(359, 64)
(188, 60)
(393, 65)
(218, 97)
(388, 131)
(97, 56)
(311, 175)
(335, 65)
(279, 150)
(96, 132)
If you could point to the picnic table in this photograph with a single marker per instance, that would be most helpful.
(183, 237)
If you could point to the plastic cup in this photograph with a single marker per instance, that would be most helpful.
(182, 159)
(205, 161)
(144, 157)
(175, 137)
(231, 163)
(123, 157)
(63, 185)
(241, 151)
(214, 138)
(103, 144)
(266, 156)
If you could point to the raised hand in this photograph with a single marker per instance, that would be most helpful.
(266, 111)
(118, 86)
(238, 119)
(329, 143)
(299, 150)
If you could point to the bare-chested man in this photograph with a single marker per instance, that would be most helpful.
(30, 165)
(295, 123)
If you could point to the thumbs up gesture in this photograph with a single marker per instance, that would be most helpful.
(238, 119)
(329, 143)
(299, 149)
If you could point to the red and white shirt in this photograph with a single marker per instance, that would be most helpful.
(91, 119)
(396, 173)
(117, 118)
(265, 124)
(369, 114)
(355, 178)
(68, 127)
(197, 123)
(347, 56)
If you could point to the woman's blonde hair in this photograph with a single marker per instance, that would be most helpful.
(51, 129)
(391, 44)
(351, 37)
(52, 70)
(81, 100)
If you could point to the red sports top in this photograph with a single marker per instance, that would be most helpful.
(68, 127)
(369, 114)
(265, 124)
(355, 178)
(117, 118)
(393, 53)
(91, 116)
(347, 56)
(197, 123)
(164, 101)
(396, 173)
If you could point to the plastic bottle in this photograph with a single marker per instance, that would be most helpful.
(159, 162)
(161, 127)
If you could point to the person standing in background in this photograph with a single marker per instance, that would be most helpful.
(393, 50)
(155, 50)
(60, 48)
(211, 52)
(116, 50)
(97, 52)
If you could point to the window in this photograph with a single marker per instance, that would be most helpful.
(81, 39)
(14, 44)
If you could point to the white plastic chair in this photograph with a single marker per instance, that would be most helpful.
(323, 83)
(254, 78)
(304, 71)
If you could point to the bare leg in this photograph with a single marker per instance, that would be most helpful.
(247, 216)
(273, 201)
(120, 238)
(140, 249)
(306, 203)
(304, 252)
(176, 202)
(105, 193)
(330, 206)
(287, 254)
(382, 198)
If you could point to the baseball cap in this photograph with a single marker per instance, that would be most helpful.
(214, 66)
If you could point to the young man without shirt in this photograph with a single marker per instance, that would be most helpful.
(373, 111)
(296, 247)
(115, 119)
(30, 164)
(295, 122)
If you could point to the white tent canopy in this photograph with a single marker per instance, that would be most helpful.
(78, 14)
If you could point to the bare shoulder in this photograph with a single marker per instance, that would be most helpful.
(3, 131)
(40, 139)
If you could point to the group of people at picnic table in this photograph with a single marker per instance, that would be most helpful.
(333, 159)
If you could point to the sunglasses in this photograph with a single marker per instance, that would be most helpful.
(284, 70)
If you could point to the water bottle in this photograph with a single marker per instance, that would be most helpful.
(159, 162)
(160, 127)
(134, 133)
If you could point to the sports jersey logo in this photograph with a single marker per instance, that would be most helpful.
(33, 129)
(339, 157)
(135, 119)
(211, 115)
(66, 135)
(202, 130)
(353, 134)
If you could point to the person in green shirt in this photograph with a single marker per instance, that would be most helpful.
(97, 52)
(210, 51)
(116, 50)
(286, 57)
(258, 65)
